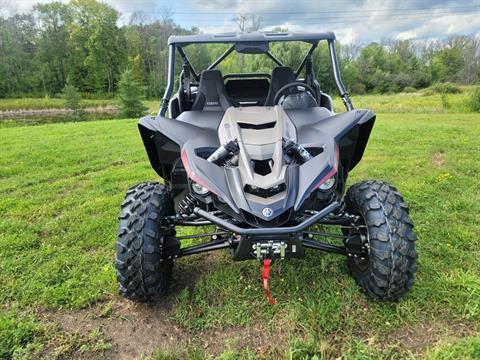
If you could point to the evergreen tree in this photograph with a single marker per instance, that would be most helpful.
(130, 96)
(73, 100)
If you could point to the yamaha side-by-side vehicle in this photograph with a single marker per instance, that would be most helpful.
(263, 159)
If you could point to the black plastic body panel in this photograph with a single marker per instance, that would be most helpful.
(344, 137)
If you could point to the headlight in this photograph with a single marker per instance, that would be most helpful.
(199, 189)
(328, 184)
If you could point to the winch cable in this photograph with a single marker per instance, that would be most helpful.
(265, 275)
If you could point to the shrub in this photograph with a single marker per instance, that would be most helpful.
(403, 80)
(130, 96)
(446, 88)
(421, 79)
(428, 92)
(475, 100)
(383, 82)
(445, 102)
(358, 88)
(409, 89)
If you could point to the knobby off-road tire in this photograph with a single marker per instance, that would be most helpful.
(142, 272)
(388, 272)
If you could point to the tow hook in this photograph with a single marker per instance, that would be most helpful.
(265, 275)
(267, 251)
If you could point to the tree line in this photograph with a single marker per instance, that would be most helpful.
(81, 44)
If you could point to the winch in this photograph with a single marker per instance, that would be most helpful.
(270, 249)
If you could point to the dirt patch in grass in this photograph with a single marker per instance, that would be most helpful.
(254, 337)
(129, 330)
(438, 159)
(421, 336)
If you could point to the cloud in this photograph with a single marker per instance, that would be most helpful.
(359, 21)
(352, 21)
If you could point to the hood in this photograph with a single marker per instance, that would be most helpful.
(263, 182)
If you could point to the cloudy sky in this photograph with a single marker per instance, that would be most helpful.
(351, 20)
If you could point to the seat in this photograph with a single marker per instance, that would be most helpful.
(281, 76)
(211, 94)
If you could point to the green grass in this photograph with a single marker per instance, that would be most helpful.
(46, 103)
(60, 190)
(423, 101)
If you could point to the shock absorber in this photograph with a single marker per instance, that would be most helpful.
(296, 151)
(224, 152)
(187, 205)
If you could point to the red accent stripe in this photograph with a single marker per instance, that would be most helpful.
(190, 172)
(331, 172)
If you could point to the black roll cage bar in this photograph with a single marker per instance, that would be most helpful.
(175, 43)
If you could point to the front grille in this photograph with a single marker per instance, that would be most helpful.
(258, 222)
(265, 193)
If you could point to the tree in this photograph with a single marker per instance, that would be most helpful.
(248, 23)
(81, 40)
(53, 53)
(446, 64)
(96, 46)
(372, 65)
(17, 51)
(130, 96)
(73, 100)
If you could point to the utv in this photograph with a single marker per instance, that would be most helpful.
(263, 159)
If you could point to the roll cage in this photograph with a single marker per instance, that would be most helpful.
(250, 43)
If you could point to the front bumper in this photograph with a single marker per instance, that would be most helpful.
(267, 231)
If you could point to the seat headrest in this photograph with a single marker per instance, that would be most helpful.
(281, 76)
(211, 92)
(283, 71)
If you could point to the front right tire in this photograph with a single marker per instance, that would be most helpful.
(387, 273)
(143, 269)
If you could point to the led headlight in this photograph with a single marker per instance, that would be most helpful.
(199, 189)
(328, 184)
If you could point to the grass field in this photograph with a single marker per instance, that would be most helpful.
(423, 101)
(60, 190)
(418, 102)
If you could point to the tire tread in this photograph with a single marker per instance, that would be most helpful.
(142, 273)
(391, 237)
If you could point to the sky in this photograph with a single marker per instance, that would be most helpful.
(353, 21)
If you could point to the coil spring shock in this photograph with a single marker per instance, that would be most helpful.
(341, 208)
(187, 205)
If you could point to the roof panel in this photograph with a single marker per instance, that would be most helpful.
(228, 38)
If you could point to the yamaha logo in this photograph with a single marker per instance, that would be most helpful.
(267, 212)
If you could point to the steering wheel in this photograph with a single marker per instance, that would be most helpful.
(296, 84)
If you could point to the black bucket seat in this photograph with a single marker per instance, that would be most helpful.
(211, 94)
